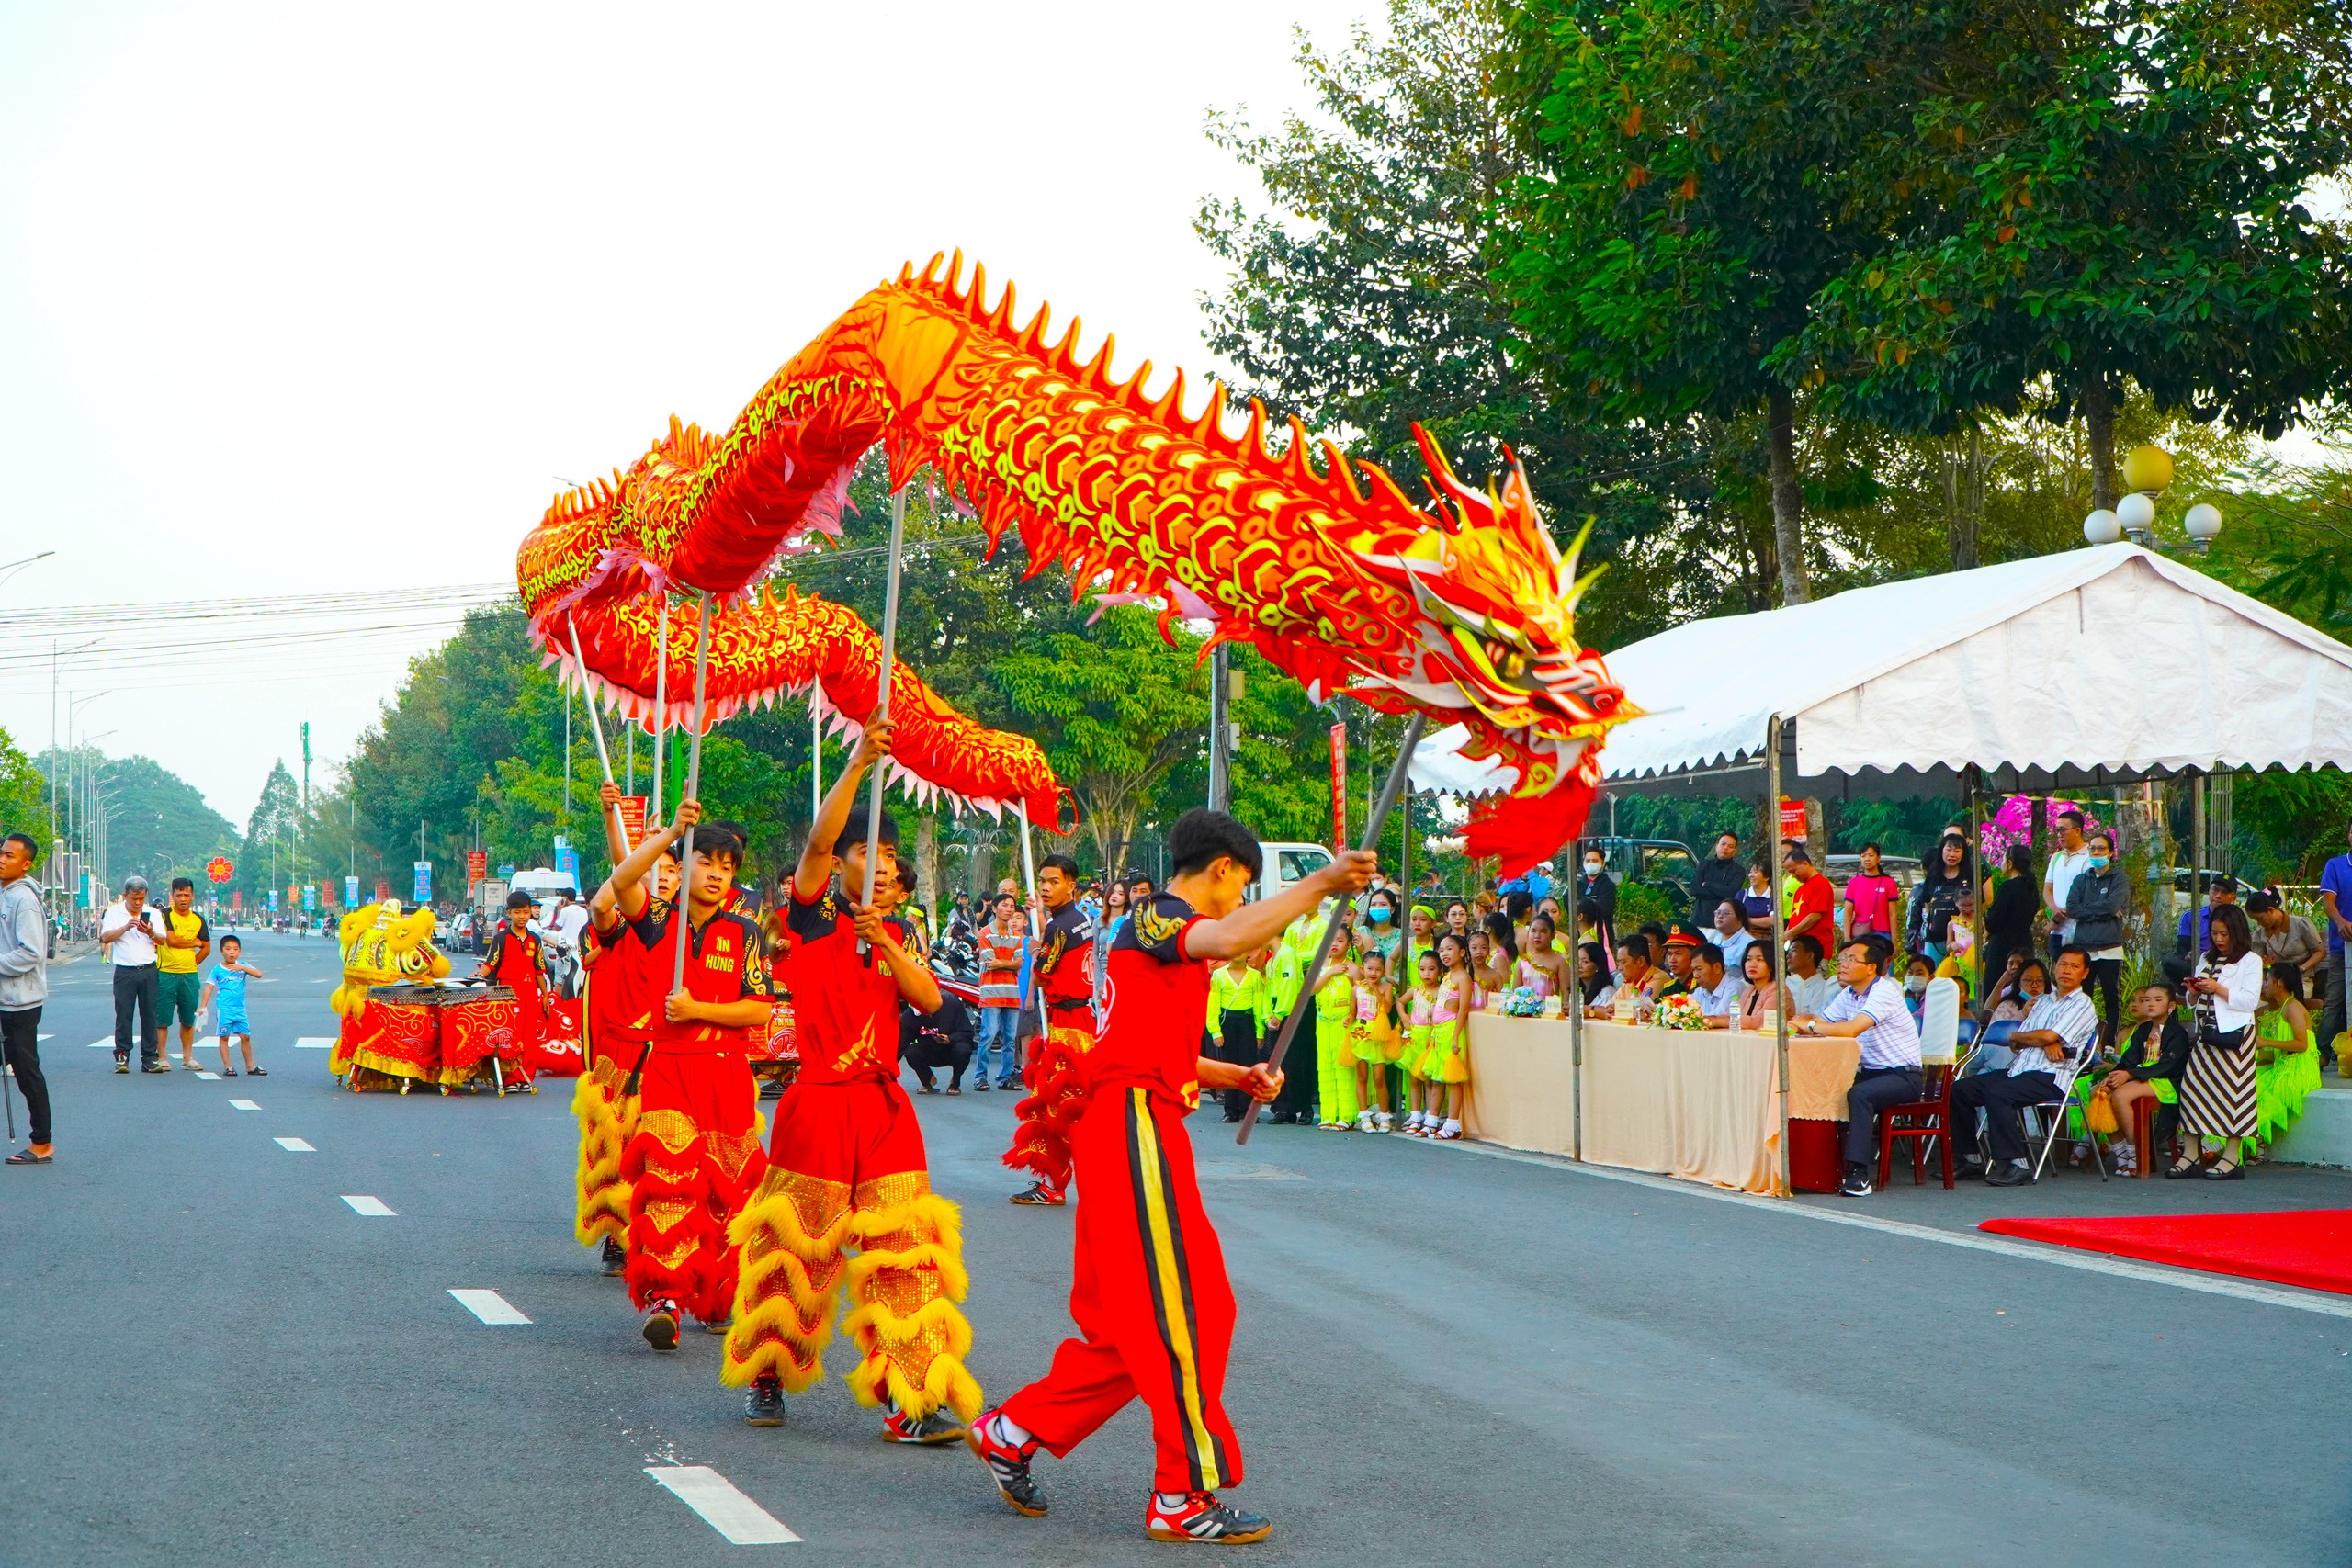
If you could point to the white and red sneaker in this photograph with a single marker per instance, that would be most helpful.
(1008, 1463)
(1040, 1196)
(1199, 1516)
(939, 1426)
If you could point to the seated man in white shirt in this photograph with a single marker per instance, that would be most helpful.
(1714, 985)
(1869, 1007)
(2056, 1035)
(1810, 986)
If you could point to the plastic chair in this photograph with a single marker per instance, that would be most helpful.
(2052, 1115)
(1920, 1121)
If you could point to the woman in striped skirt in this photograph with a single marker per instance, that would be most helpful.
(2217, 1092)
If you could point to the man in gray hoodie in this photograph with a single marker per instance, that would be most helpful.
(24, 986)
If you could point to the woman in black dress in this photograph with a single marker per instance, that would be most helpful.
(2008, 918)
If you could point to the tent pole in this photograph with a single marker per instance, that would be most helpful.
(1779, 939)
(1576, 1013)
(1983, 876)
(2197, 867)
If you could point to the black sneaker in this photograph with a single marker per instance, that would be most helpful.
(1008, 1465)
(122, 1064)
(661, 1324)
(2017, 1173)
(1973, 1170)
(978, 1087)
(763, 1406)
(939, 1426)
(1858, 1182)
(155, 1067)
(1040, 1196)
(616, 1258)
(1199, 1516)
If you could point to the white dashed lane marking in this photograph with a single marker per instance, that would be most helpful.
(106, 1045)
(722, 1507)
(204, 1076)
(363, 1204)
(244, 1105)
(301, 1146)
(315, 1043)
(489, 1307)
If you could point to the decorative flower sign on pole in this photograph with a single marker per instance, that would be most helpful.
(220, 868)
(2013, 824)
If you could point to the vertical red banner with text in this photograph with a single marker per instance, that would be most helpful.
(1338, 786)
(632, 807)
(477, 867)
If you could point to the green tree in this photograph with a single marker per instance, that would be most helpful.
(158, 824)
(1669, 251)
(1364, 297)
(274, 835)
(2092, 194)
(24, 795)
(1116, 709)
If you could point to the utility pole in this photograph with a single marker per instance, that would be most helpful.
(1220, 734)
(306, 766)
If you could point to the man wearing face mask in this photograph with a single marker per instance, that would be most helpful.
(2097, 905)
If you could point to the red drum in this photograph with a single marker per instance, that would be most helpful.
(398, 1033)
(779, 1038)
(477, 1023)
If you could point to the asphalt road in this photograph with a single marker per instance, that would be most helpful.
(208, 1356)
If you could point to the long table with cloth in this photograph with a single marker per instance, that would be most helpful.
(1698, 1104)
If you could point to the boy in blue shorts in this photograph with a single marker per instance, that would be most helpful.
(226, 980)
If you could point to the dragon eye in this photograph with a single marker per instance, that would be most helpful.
(1508, 661)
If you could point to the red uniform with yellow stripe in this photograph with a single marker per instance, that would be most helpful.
(1065, 968)
(694, 1153)
(847, 1169)
(1148, 1288)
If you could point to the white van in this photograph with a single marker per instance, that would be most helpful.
(1285, 864)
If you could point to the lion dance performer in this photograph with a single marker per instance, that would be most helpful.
(846, 1163)
(1064, 970)
(1148, 1289)
(618, 1008)
(692, 1153)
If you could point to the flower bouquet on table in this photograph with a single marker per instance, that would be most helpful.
(1522, 1001)
(1678, 1012)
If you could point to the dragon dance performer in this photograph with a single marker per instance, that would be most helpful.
(617, 1009)
(847, 1167)
(516, 959)
(1065, 971)
(694, 1151)
(1147, 1290)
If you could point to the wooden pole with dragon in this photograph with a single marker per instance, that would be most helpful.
(1461, 610)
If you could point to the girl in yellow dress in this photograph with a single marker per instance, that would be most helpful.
(1446, 1064)
(1421, 1014)
(1334, 991)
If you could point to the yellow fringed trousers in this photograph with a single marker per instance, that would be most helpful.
(847, 1172)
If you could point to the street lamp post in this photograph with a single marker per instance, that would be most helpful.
(2148, 470)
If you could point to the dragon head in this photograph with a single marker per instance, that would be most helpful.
(1498, 627)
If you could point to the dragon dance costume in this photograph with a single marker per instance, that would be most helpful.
(618, 1008)
(1041, 1131)
(847, 1169)
(693, 1152)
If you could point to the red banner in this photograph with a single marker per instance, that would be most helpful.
(477, 867)
(1792, 820)
(632, 808)
(1338, 786)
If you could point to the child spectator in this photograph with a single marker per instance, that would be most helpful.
(2149, 1068)
(225, 982)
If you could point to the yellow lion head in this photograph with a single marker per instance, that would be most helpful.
(380, 946)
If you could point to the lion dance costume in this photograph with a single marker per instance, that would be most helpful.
(1064, 972)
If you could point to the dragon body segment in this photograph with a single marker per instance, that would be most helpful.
(1462, 609)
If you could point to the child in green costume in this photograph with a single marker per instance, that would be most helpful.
(1335, 1000)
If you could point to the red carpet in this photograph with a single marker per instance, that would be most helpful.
(2311, 1248)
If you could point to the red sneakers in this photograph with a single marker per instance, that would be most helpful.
(1041, 1196)
(1007, 1464)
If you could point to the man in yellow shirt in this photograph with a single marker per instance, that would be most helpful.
(179, 960)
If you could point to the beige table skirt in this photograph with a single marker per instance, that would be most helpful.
(1703, 1105)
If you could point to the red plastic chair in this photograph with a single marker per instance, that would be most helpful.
(1918, 1121)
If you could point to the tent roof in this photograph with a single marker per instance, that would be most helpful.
(2103, 665)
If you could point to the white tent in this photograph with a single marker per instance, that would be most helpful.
(2096, 666)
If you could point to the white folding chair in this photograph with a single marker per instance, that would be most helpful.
(2052, 1116)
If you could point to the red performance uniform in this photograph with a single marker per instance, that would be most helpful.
(519, 962)
(617, 1009)
(847, 1169)
(694, 1150)
(1065, 968)
(1147, 1284)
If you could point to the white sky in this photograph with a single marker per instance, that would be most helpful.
(303, 299)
